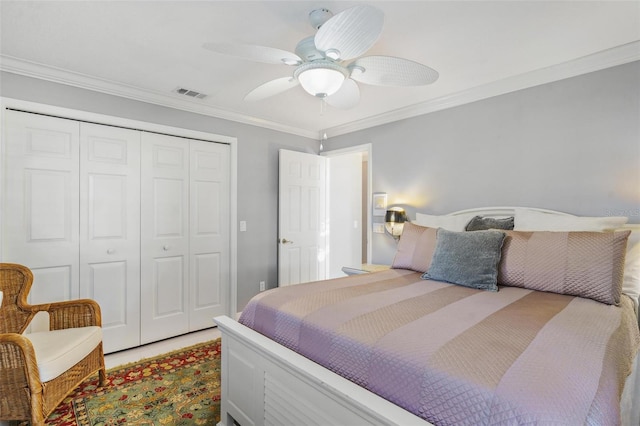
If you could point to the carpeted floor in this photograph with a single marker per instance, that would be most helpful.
(178, 388)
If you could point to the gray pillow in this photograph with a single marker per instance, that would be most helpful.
(479, 223)
(469, 259)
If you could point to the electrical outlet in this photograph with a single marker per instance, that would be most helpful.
(263, 286)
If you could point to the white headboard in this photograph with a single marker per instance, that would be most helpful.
(503, 211)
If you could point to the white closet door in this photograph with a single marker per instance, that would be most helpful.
(110, 230)
(209, 233)
(41, 198)
(164, 237)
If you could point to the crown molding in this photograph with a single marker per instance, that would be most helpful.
(57, 75)
(619, 55)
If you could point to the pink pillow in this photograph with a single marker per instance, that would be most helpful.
(415, 248)
(585, 264)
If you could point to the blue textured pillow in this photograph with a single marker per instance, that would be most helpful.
(469, 259)
(479, 223)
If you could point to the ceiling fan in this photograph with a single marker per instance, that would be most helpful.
(324, 63)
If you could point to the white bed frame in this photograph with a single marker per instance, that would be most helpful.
(265, 383)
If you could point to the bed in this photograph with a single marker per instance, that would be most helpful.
(547, 335)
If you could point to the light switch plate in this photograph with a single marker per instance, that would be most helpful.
(378, 228)
(243, 225)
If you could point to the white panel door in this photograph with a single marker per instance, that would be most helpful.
(301, 218)
(164, 237)
(110, 230)
(209, 233)
(41, 198)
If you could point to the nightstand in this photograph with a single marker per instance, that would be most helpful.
(365, 268)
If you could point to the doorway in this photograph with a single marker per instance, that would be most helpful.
(348, 200)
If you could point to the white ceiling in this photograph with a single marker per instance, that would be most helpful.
(144, 50)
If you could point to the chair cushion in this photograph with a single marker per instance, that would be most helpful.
(58, 350)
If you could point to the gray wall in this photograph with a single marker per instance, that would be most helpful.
(257, 164)
(572, 145)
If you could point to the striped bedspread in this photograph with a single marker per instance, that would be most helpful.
(459, 356)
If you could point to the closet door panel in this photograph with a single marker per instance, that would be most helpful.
(165, 237)
(169, 209)
(40, 198)
(107, 283)
(207, 270)
(168, 297)
(110, 230)
(209, 238)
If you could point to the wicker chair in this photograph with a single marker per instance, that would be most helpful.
(38, 370)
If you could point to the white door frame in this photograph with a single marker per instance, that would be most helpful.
(11, 103)
(367, 149)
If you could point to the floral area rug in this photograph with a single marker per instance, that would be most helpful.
(178, 388)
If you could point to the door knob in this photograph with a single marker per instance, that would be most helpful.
(285, 241)
(165, 247)
(110, 251)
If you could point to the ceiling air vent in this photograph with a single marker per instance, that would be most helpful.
(190, 93)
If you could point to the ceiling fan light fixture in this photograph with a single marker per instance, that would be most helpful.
(320, 78)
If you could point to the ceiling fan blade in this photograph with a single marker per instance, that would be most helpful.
(390, 71)
(271, 88)
(268, 55)
(351, 32)
(347, 97)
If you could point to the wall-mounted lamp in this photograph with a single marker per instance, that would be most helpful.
(394, 221)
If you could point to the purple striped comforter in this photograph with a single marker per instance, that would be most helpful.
(459, 356)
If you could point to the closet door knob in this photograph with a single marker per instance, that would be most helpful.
(110, 251)
(165, 247)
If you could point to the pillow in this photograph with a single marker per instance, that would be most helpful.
(469, 259)
(415, 248)
(585, 264)
(479, 223)
(531, 220)
(631, 280)
(451, 223)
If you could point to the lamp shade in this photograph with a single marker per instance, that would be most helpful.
(395, 215)
(394, 219)
(320, 78)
